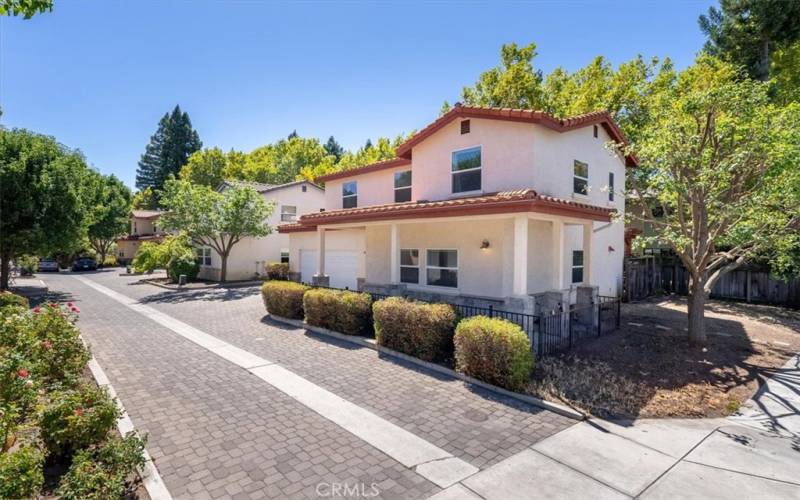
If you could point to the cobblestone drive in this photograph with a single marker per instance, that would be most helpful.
(217, 431)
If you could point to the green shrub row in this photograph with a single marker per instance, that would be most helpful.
(494, 350)
(42, 361)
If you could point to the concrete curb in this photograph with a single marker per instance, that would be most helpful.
(213, 286)
(151, 479)
(372, 344)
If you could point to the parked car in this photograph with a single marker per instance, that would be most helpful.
(84, 264)
(48, 265)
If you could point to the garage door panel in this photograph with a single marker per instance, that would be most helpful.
(340, 265)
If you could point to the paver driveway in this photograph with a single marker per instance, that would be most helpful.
(217, 431)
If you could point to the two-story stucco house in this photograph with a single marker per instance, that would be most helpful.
(250, 255)
(483, 204)
(144, 227)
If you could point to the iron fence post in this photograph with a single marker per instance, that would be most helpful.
(599, 319)
(491, 311)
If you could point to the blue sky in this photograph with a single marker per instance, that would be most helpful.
(98, 75)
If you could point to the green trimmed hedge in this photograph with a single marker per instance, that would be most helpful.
(278, 271)
(494, 350)
(284, 298)
(339, 310)
(421, 330)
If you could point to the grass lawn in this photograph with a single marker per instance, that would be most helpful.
(648, 369)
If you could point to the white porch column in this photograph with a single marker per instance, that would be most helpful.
(587, 253)
(558, 255)
(520, 283)
(320, 251)
(394, 255)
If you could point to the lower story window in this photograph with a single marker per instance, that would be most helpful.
(284, 256)
(442, 268)
(203, 256)
(577, 266)
(409, 266)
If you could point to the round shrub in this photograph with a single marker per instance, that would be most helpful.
(59, 353)
(278, 271)
(493, 350)
(284, 298)
(421, 330)
(339, 310)
(11, 299)
(77, 419)
(101, 472)
(21, 473)
(28, 264)
(182, 264)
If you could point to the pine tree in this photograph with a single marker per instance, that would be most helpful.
(334, 148)
(169, 150)
(368, 145)
(293, 135)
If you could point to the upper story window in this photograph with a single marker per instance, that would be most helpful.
(402, 186)
(135, 229)
(595, 131)
(464, 127)
(288, 213)
(611, 186)
(350, 194)
(466, 170)
(580, 182)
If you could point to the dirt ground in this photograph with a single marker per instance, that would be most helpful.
(649, 369)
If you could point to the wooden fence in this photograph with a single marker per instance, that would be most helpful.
(648, 275)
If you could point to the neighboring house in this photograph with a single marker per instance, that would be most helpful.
(483, 205)
(144, 227)
(249, 257)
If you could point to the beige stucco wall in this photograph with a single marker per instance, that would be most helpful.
(506, 157)
(375, 188)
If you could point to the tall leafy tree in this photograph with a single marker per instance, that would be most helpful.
(206, 167)
(748, 32)
(721, 160)
(334, 149)
(42, 184)
(215, 219)
(144, 200)
(169, 149)
(108, 206)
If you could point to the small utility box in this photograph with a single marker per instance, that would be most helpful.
(182, 280)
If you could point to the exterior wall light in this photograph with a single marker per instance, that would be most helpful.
(484, 244)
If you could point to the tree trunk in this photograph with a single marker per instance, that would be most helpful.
(223, 273)
(5, 270)
(697, 304)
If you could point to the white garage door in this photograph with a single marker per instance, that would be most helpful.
(340, 265)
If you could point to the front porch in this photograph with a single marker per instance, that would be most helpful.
(524, 261)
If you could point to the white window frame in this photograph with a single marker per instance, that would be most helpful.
(576, 176)
(288, 216)
(452, 172)
(203, 255)
(355, 195)
(456, 269)
(396, 189)
(573, 267)
(418, 267)
(285, 252)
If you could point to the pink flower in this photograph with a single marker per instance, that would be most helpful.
(79, 412)
(29, 383)
(22, 373)
(36, 310)
(51, 305)
(69, 304)
(47, 344)
(75, 309)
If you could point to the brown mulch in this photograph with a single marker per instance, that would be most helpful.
(649, 369)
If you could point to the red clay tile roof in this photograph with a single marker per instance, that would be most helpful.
(523, 200)
(520, 115)
(373, 167)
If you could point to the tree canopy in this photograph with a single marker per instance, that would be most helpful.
(749, 32)
(215, 219)
(169, 149)
(108, 206)
(721, 160)
(42, 189)
(26, 8)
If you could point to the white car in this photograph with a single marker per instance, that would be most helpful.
(48, 265)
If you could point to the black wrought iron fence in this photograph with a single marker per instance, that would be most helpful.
(548, 333)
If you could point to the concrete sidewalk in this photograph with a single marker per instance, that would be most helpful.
(754, 454)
